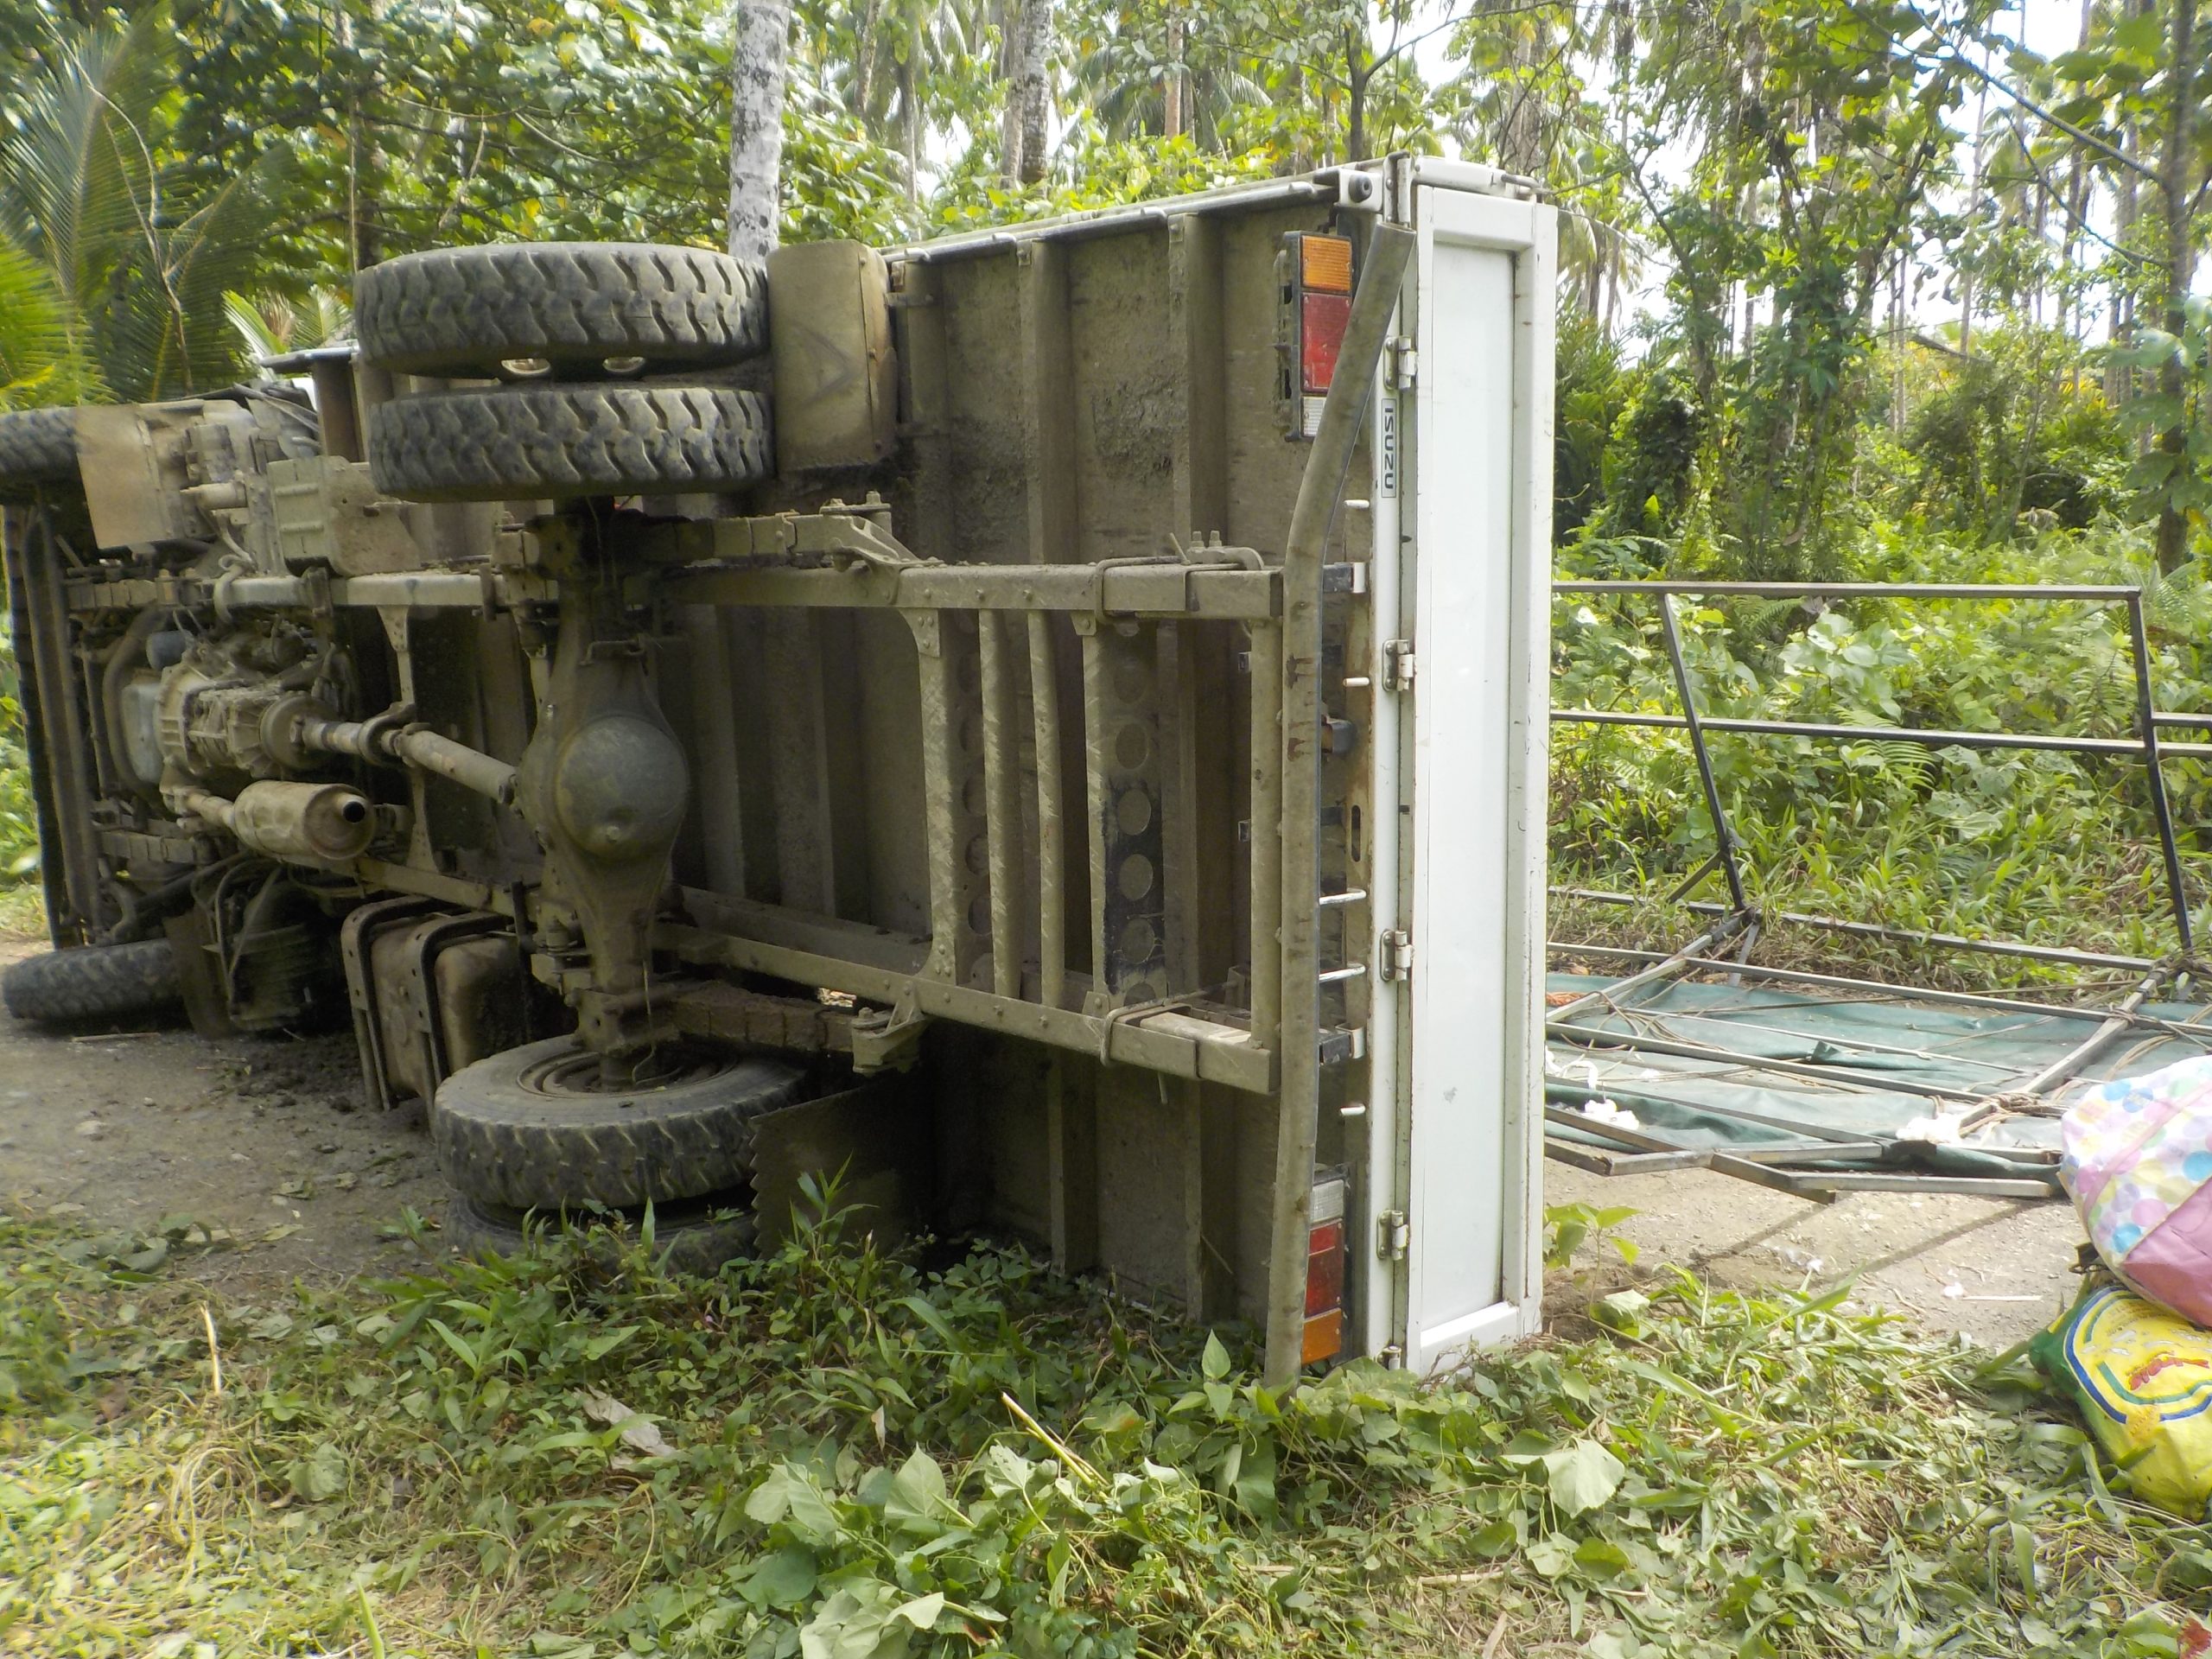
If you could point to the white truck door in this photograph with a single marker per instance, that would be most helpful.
(1473, 523)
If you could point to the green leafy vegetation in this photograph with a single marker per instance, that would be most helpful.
(2050, 848)
(835, 1451)
(19, 847)
(1874, 291)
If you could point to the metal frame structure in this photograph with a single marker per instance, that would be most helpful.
(1738, 922)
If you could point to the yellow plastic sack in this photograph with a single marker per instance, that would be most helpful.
(2143, 1379)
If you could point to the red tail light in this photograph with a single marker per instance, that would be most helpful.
(1321, 319)
(1325, 1273)
(1318, 296)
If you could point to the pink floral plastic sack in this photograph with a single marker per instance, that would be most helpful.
(2138, 1162)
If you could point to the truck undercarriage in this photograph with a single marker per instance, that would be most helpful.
(988, 783)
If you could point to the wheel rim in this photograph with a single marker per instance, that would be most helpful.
(580, 1074)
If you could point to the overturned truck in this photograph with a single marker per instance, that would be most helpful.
(1047, 723)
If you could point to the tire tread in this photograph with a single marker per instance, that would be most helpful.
(500, 1145)
(696, 1245)
(96, 981)
(451, 311)
(522, 443)
(37, 445)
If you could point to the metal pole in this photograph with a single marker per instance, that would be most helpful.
(2146, 726)
(1673, 966)
(1876, 931)
(2074, 1060)
(1857, 1044)
(1052, 893)
(1687, 885)
(1723, 837)
(1927, 737)
(1912, 993)
(1766, 1121)
(1882, 1083)
(2055, 593)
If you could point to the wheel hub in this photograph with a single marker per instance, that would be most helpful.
(582, 1075)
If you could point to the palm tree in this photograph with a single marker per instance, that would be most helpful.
(897, 66)
(37, 364)
(120, 266)
(1129, 64)
(268, 324)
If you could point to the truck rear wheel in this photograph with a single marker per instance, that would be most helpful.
(538, 1128)
(568, 310)
(96, 982)
(37, 445)
(529, 441)
(695, 1238)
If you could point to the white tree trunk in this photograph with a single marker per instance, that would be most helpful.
(910, 112)
(756, 126)
(1171, 94)
(1032, 90)
(1013, 39)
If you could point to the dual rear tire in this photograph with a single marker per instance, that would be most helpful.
(608, 354)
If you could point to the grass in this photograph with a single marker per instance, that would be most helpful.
(22, 911)
(834, 1453)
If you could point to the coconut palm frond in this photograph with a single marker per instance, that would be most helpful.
(78, 184)
(38, 364)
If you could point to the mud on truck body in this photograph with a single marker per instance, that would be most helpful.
(1047, 723)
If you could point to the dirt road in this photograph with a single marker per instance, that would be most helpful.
(1997, 1270)
(262, 1142)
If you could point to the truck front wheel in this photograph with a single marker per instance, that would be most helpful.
(37, 445)
(96, 982)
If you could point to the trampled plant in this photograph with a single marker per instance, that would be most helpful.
(834, 1452)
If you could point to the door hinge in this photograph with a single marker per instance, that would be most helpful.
(1398, 665)
(1392, 1234)
(1395, 954)
(1405, 363)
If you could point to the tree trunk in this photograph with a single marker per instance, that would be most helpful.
(1032, 90)
(2120, 381)
(360, 166)
(1896, 349)
(864, 60)
(756, 126)
(2176, 177)
(1974, 206)
(1356, 101)
(1013, 41)
(910, 107)
(1170, 92)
